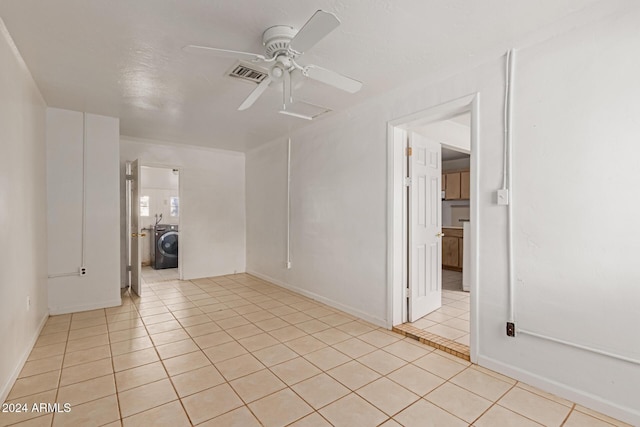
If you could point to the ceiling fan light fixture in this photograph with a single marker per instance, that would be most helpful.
(277, 72)
(283, 45)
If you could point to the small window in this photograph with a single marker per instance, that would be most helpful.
(175, 206)
(144, 205)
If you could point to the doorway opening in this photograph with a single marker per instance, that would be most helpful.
(159, 220)
(432, 232)
(153, 211)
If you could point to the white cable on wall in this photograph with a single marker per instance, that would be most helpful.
(507, 184)
(84, 189)
(507, 90)
(288, 204)
(579, 346)
(82, 269)
(511, 59)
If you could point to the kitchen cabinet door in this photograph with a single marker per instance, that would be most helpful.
(452, 190)
(464, 185)
(450, 251)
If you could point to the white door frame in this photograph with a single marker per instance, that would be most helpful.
(396, 214)
(165, 166)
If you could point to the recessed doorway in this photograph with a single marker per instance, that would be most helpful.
(153, 216)
(431, 242)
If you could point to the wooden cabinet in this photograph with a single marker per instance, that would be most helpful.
(465, 183)
(456, 185)
(452, 245)
(452, 186)
(450, 251)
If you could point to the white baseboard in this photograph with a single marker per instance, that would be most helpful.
(628, 415)
(347, 309)
(6, 387)
(54, 311)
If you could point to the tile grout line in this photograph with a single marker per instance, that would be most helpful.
(566, 418)
(289, 386)
(64, 356)
(165, 370)
(494, 403)
(113, 365)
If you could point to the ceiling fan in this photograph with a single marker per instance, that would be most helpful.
(283, 45)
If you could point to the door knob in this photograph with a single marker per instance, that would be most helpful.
(440, 235)
(138, 235)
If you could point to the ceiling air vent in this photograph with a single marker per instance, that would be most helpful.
(248, 72)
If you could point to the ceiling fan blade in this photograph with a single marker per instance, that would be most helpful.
(316, 28)
(255, 94)
(333, 79)
(225, 53)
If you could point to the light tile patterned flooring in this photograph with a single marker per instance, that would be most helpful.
(239, 351)
(451, 321)
(149, 275)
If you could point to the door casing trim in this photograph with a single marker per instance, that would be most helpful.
(396, 141)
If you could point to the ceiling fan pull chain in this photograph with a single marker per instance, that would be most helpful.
(286, 92)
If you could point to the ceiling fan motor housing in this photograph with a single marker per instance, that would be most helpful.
(276, 40)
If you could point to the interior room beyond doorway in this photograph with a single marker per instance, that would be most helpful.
(446, 325)
(159, 217)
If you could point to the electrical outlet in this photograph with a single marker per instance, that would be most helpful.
(82, 271)
(28, 303)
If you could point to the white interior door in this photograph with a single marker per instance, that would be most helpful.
(425, 227)
(135, 234)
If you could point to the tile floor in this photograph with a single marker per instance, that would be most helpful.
(149, 275)
(238, 351)
(451, 321)
(447, 328)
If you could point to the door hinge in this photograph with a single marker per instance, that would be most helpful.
(128, 177)
(128, 268)
(407, 181)
(409, 151)
(406, 293)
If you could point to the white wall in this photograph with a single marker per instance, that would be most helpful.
(455, 135)
(159, 204)
(338, 239)
(23, 267)
(576, 134)
(212, 204)
(101, 285)
(163, 178)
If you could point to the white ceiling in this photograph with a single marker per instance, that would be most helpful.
(123, 58)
